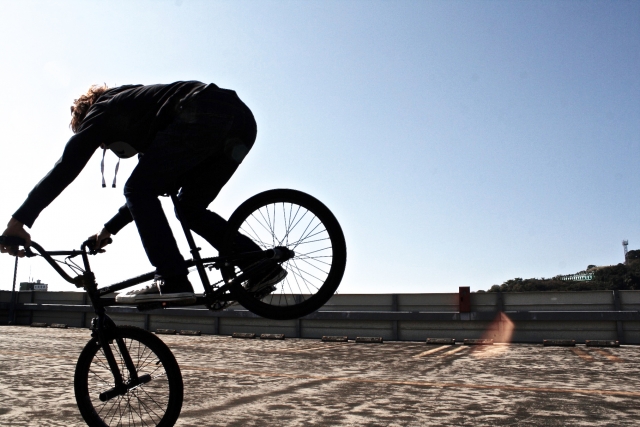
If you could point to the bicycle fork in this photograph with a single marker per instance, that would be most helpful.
(102, 325)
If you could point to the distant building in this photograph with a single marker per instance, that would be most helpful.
(34, 286)
(578, 277)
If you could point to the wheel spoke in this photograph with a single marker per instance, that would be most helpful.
(305, 230)
(317, 268)
(253, 235)
(296, 276)
(303, 273)
(315, 259)
(268, 226)
(297, 222)
(298, 273)
(308, 242)
(288, 223)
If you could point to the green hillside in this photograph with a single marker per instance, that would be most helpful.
(620, 277)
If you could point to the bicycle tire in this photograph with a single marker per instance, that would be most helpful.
(314, 273)
(157, 402)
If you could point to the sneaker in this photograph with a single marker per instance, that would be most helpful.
(168, 290)
(275, 275)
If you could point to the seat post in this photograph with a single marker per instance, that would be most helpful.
(195, 251)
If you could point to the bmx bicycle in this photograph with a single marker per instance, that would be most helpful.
(127, 375)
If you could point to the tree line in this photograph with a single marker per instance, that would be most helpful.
(615, 277)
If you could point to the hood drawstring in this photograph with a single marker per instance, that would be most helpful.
(113, 185)
(115, 174)
(102, 167)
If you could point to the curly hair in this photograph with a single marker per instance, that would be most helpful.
(81, 105)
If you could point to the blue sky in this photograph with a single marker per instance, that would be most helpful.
(458, 143)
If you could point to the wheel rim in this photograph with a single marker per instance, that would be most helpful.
(299, 229)
(144, 405)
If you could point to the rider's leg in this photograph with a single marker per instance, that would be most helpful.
(199, 188)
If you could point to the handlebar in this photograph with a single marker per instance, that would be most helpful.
(18, 241)
(88, 248)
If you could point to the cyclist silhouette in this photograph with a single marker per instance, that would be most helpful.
(189, 136)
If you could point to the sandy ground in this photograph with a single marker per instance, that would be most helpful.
(234, 382)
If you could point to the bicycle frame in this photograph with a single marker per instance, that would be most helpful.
(211, 294)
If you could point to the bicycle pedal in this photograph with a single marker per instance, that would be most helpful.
(264, 292)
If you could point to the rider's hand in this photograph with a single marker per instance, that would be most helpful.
(15, 228)
(101, 239)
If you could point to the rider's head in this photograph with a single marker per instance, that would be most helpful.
(81, 105)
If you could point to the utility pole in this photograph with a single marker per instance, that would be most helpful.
(12, 304)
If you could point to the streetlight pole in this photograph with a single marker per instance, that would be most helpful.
(12, 306)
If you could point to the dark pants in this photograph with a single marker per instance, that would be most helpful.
(197, 153)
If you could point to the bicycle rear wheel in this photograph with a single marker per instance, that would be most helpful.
(301, 223)
(157, 402)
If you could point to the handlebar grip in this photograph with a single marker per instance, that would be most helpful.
(91, 244)
(12, 241)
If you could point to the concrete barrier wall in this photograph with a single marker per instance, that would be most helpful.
(534, 316)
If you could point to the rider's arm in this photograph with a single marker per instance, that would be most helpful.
(76, 154)
(122, 218)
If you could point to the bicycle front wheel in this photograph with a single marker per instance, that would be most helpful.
(155, 402)
(302, 224)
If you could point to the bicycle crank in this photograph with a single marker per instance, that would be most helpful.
(124, 388)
